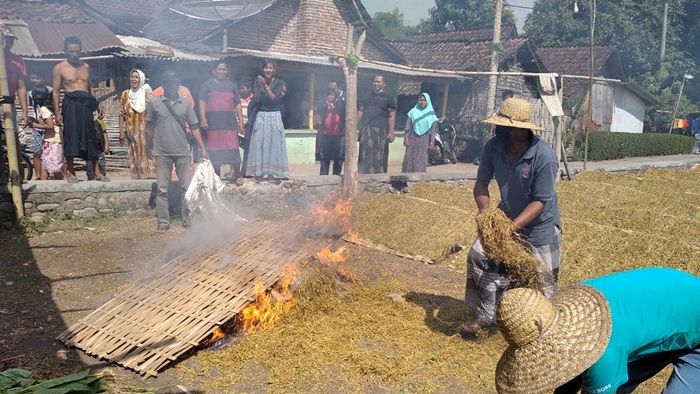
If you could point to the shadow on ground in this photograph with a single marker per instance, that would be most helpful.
(29, 317)
(443, 314)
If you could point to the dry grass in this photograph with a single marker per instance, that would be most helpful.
(494, 229)
(357, 340)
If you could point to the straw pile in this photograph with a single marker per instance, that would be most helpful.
(494, 228)
(357, 339)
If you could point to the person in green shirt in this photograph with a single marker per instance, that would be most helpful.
(604, 335)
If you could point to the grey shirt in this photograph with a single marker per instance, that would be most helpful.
(532, 178)
(169, 139)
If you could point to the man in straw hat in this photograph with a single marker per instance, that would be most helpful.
(605, 335)
(525, 169)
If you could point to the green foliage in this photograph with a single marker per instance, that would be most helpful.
(464, 15)
(392, 24)
(611, 146)
(33, 227)
(634, 26)
(20, 381)
(351, 59)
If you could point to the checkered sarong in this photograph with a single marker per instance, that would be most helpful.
(487, 279)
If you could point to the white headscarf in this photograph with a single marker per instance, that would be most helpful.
(137, 96)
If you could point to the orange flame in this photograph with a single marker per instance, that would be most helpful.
(333, 215)
(269, 306)
(336, 261)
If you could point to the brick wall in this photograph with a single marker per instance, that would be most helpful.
(304, 27)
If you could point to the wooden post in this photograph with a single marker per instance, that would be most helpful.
(312, 99)
(349, 68)
(445, 97)
(10, 138)
(493, 79)
(559, 124)
(591, 35)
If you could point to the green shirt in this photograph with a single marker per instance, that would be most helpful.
(653, 310)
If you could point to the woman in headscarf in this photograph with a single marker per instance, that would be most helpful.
(419, 135)
(132, 125)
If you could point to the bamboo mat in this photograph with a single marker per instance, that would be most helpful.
(153, 322)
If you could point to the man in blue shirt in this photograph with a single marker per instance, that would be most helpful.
(525, 169)
(605, 335)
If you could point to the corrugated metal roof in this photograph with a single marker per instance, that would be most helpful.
(363, 66)
(146, 48)
(37, 39)
(94, 36)
(24, 45)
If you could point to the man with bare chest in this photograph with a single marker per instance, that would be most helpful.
(76, 114)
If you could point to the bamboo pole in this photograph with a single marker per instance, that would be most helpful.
(312, 99)
(445, 98)
(10, 138)
(450, 73)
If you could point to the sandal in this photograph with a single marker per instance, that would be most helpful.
(102, 178)
(72, 179)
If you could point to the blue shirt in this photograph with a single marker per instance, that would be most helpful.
(653, 310)
(531, 178)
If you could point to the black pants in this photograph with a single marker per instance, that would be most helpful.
(337, 167)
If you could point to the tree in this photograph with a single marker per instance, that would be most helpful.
(392, 24)
(348, 64)
(634, 26)
(463, 15)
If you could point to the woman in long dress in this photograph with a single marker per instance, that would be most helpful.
(268, 149)
(132, 125)
(419, 135)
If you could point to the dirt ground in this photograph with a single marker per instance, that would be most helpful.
(393, 331)
(52, 278)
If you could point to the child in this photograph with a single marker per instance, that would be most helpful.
(103, 147)
(52, 161)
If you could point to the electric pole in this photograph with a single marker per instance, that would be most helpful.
(493, 78)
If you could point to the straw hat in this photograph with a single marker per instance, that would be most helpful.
(514, 113)
(550, 342)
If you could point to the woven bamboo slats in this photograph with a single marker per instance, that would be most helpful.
(153, 322)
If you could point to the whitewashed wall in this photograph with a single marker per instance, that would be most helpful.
(628, 112)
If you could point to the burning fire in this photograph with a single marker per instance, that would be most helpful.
(333, 216)
(336, 260)
(269, 306)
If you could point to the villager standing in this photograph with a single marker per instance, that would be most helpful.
(331, 128)
(39, 96)
(377, 118)
(419, 135)
(16, 75)
(268, 147)
(76, 115)
(604, 335)
(525, 169)
(132, 125)
(220, 115)
(166, 118)
(52, 160)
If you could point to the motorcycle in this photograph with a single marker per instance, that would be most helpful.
(444, 144)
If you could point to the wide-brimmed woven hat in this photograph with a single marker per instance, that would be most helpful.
(514, 113)
(550, 342)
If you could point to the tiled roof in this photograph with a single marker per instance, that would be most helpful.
(456, 55)
(575, 60)
(485, 34)
(133, 14)
(43, 25)
(43, 11)
(308, 27)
